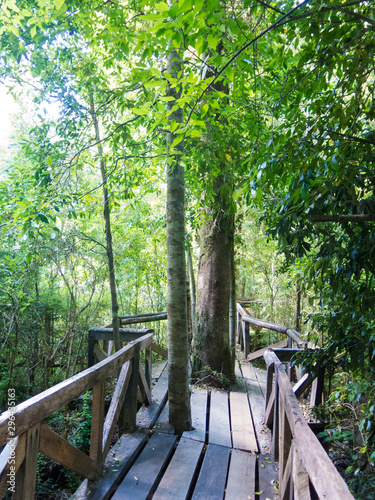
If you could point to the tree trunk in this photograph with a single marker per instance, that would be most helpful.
(108, 233)
(211, 343)
(178, 355)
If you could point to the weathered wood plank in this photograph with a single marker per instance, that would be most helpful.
(241, 476)
(37, 408)
(243, 433)
(219, 426)
(198, 404)
(115, 407)
(26, 476)
(257, 403)
(327, 485)
(158, 368)
(162, 423)
(268, 477)
(117, 464)
(177, 478)
(213, 474)
(300, 478)
(58, 449)
(14, 450)
(144, 474)
(147, 415)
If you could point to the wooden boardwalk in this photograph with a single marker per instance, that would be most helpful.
(227, 455)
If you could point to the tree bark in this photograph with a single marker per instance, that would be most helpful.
(108, 232)
(193, 292)
(178, 354)
(211, 342)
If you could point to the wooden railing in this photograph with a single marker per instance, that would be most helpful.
(305, 470)
(24, 434)
(244, 321)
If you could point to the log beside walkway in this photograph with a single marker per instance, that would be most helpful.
(226, 455)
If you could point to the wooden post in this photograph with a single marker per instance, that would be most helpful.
(128, 416)
(26, 476)
(285, 443)
(246, 337)
(270, 372)
(275, 431)
(97, 422)
(92, 342)
(148, 366)
(317, 390)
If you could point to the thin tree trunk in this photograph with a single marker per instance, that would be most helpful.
(178, 355)
(108, 233)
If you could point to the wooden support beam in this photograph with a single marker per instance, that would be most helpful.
(128, 416)
(260, 352)
(144, 387)
(115, 407)
(159, 350)
(99, 353)
(97, 422)
(26, 475)
(13, 455)
(58, 449)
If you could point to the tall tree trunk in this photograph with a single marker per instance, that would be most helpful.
(178, 354)
(212, 345)
(108, 232)
(211, 342)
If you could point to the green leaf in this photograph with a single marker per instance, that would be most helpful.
(177, 140)
(58, 4)
(141, 111)
(162, 7)
(212, 41)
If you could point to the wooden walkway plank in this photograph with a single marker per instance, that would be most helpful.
(213, 474)
(162, 423)
(219, 427)
(147, 415)
(119, 460)
(257, 405)
(268, 477)
(241, 477)
(178, 477)
(144, 474)
(157, 369)
(243, 433)
(198, 404)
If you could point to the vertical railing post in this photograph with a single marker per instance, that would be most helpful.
(26, 475)
(91, 355)
(148, 365)
(97, 422)
(270, 372)
(246, 337)
(275, 430)
(128, 416)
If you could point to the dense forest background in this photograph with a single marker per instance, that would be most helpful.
(274, 136)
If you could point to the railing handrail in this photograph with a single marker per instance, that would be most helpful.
(40, 406)
(298, 436)
(25, 435)
(290, 332)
